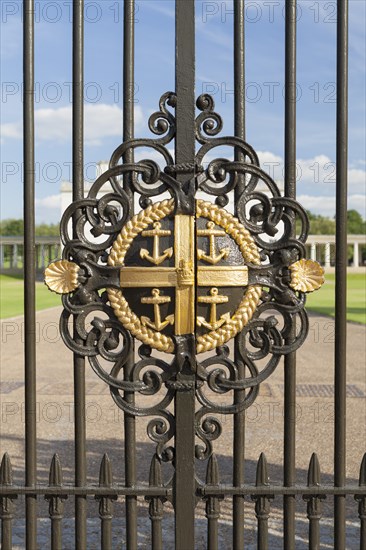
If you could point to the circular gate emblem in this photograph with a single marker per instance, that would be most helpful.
(181, 275)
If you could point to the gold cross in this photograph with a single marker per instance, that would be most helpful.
(182, 275)
(156, 233)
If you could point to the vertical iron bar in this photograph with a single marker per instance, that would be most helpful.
(314, 531)
(6, 525)
(290, 191)
(77, 194)
(362, 504)
(156, 506)
(29, 274)
(56, 505)
(106, 534)
(6, 531)
(6, 504)
(340, 349)
(106, 504)
(128, 133)
(212, 505)
(314, 504)
(156, 533)
(363, 528)
(239, 75)
(184, 485)
(212, 528)
(239, 395)
(156, 524)
(56, 534)
(128, 73)
(262, 503)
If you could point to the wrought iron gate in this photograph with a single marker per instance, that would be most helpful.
(184, 277)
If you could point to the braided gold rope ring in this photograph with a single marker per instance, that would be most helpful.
(233, 228)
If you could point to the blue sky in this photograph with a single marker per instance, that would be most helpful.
(155, 74)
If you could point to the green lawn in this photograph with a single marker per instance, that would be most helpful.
(11, 297)
(321, 301)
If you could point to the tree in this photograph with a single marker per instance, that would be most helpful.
(321, 225)
(355, 223)
(12, 227)
(15, 228)
(47, 230)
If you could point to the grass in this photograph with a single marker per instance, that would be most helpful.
(322, 301)
(12, 295)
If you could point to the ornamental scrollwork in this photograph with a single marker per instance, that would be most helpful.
(184, 276)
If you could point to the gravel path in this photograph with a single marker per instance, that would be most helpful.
(264, 432)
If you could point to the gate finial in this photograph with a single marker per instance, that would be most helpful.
(6, 471)
(105, 472)
(55, 476)
(314, 471)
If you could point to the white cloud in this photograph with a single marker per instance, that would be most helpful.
(326, 206)
(11, 130)
(48, 209)
(101, 120)
(152, 154)
(319, 171)
(52, 201)
(357, 177)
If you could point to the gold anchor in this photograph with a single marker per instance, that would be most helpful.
(156, 300)
(157, 232)
(214, 299)
(211, 232)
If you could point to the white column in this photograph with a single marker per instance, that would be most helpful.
(43, 259)
(356, 256)
(15, 256)
(327, 255)
(313, 252)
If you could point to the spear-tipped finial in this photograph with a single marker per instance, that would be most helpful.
(105, 472)
(6, 471)
(314, 471)
(155, 476)
(362, 478)
(212, 474)
(55, 476)
(105, 480)
(262, 477)
(56, 505)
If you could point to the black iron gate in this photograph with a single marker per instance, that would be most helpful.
(215, 294)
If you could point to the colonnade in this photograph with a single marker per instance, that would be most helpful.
(319, 247)
(11, 253)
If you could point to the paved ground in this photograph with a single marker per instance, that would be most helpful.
(264, 429)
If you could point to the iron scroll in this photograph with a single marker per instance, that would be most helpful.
(164, 274)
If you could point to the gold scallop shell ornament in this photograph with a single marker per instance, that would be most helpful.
(62, 276)
(306, 275)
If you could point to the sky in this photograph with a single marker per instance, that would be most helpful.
(316, 75)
